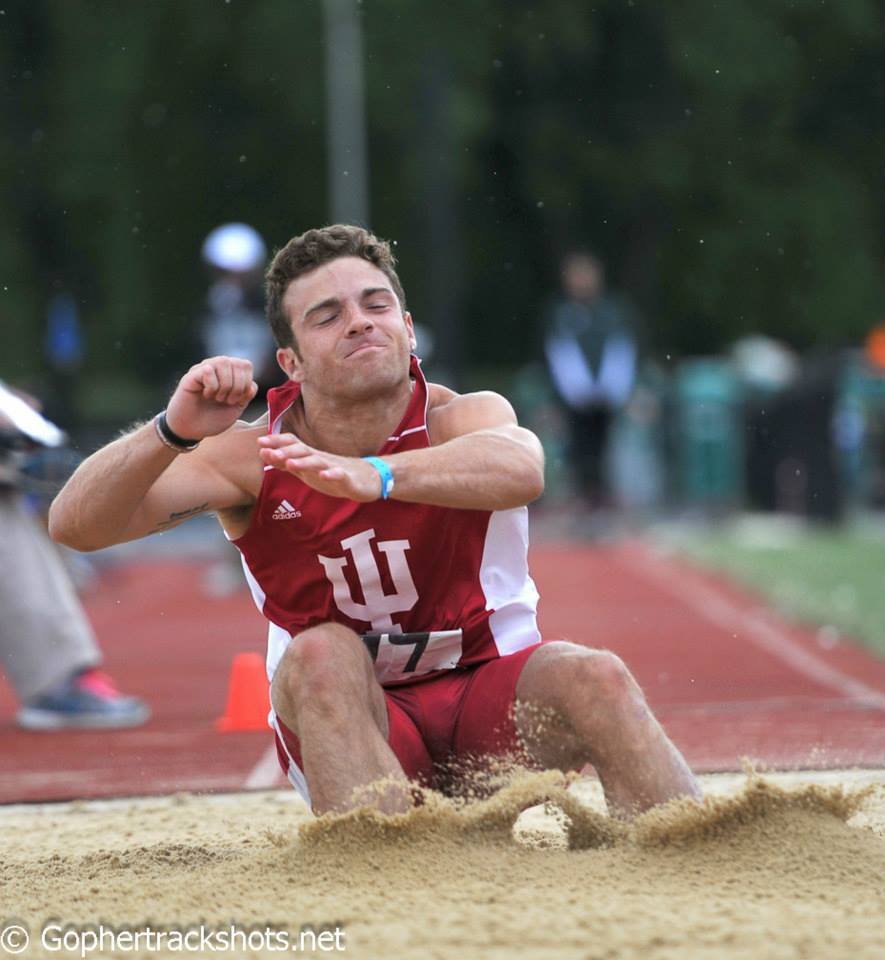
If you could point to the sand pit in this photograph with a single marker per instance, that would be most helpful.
(780, 867)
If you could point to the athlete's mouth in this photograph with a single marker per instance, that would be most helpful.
(365, 346)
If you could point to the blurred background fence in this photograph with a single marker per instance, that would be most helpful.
(723, 162)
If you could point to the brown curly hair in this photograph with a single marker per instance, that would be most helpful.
(312, 249)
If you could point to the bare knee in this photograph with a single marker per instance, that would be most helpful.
(576, 677)
(599, 667)
(605, 676)
(326, 669)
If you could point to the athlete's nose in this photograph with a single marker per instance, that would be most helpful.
(358, 321)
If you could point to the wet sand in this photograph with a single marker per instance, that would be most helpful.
(773, 867)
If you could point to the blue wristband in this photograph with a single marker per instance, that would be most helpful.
(386, 475)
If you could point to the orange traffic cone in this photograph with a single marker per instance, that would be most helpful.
(248, 695)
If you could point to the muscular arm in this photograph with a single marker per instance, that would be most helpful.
(480, 459)
(137, 485)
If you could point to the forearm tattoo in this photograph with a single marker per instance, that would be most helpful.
(177, 516)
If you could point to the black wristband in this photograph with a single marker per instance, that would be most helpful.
(170, 438)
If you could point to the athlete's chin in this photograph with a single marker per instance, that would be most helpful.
(375, 379)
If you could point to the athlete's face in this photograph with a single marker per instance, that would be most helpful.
(353, 338)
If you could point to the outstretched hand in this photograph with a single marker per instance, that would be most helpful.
(348, 477)
(210, 397)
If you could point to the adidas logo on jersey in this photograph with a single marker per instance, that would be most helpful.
(285, 511)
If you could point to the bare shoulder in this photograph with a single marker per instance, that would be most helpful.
(437, 395)
(452, 414)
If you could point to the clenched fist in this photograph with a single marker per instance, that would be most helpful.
(210, 397)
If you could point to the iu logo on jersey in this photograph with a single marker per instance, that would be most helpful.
(379, 606)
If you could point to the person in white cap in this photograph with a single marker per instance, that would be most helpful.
(234, 323)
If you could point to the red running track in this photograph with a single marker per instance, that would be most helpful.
(727, 678)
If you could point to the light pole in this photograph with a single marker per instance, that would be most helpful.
(345, 114)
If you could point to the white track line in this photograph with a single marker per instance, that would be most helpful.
(774, 704)
(722, 612)
(266, 773)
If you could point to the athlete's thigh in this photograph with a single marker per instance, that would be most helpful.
(326, 661)
(403, 737)
(486, 722)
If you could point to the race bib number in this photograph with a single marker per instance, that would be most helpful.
(399, 656)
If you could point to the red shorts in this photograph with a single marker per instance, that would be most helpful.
(462, 714)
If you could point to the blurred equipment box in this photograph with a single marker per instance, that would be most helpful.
(709, 443)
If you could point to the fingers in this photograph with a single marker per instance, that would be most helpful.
(290, 453)
(206, 378)
(241, 383)
(326, 472)
(243, 387)
(275, 440)
(315, 463)
(224, 377)
(225, 380)
(286, 452)
(233, 381)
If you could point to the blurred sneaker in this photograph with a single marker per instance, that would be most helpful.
(88, 700)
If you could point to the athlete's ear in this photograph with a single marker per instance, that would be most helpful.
(413, 342)
(290, 363)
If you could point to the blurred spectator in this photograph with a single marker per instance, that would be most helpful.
(47, 647)
(65, 348)
(234, 324)
(591, 346)
(791, 430)
(764, 365)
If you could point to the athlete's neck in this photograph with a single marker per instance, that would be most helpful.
(349, 428)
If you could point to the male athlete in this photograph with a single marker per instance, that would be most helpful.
(382, 524)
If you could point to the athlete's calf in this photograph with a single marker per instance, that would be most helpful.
(596, 713)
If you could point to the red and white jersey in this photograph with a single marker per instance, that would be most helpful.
(429, 588)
